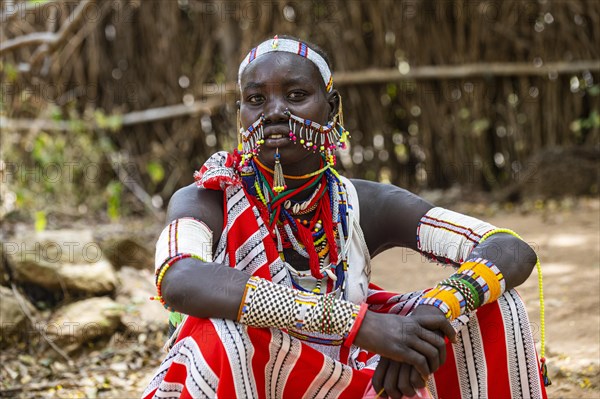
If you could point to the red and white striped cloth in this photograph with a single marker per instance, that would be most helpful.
(494, 357)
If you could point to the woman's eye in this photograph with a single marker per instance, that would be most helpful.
(255, 99)
(296, 95)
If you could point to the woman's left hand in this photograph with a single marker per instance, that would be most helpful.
(398, 379)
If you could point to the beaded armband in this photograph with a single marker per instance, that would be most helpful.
(182, 238)
(476, 283)
(449, 237)
(266, 304)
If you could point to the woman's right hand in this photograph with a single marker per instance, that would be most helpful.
(407, 339)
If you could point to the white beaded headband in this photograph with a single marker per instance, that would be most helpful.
(289, 46)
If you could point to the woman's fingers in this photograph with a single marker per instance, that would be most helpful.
(390, 382)
(430, 352)
(416, 381)
(409, 339)
(404, 379)
(419, 361)
(379, 375)
(433, 323)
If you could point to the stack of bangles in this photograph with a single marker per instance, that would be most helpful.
(476, 283)
(266, 304)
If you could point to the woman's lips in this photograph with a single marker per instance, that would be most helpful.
(277, 140)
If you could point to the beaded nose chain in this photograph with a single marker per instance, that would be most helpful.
(311, 135)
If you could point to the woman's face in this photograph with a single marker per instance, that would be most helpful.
(273, 83)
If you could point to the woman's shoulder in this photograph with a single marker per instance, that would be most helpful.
(374, 192)
(200, 203)
(389, 214)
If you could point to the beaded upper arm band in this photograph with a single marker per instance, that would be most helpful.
(448, 236)
(182, 238)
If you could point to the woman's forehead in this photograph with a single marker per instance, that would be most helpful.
(280, 68)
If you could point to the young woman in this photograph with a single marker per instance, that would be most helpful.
(269, 254)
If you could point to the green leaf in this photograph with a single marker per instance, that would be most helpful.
(55, 113)
(113, 205)
(100, 118)
(40, 221)
(392, 90)
(156, 172)
(114, 123)
(480, 125)
(594, 90)
(11, 72)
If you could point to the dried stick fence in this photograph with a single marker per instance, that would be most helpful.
(426, 85)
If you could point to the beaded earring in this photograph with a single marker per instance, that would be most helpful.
(252, 138)
(240, 130)
(339, 121)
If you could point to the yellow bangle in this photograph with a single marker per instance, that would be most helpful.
(447, 297)
(492, 279)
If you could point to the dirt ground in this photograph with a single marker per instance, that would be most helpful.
(566, 235)
(567, 240)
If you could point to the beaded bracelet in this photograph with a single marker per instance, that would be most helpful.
(160, 274)
(490, 273)
(477, 282)
(464, 283)
(449, 296)
(265, 304)
(471, 296)
(438, 303)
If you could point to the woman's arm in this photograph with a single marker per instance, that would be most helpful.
(194, 287)
(390, 216)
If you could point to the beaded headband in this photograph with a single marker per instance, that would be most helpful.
(289, 46)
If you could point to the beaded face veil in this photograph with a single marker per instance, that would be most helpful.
(312, 136)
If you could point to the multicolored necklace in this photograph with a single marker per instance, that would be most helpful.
(321, 239)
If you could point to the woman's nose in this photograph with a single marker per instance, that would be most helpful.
(275, 111)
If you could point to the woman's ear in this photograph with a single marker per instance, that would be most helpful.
(333, 99)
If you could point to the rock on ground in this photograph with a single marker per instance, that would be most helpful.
(67, 260)
(83, 321)
(134, 291)
(13, 321)
(129, 252)
(84, 278)
(56, 246)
